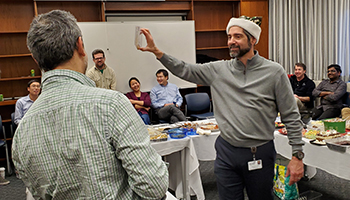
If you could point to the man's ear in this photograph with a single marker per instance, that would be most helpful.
(253, 41)
(80, 46)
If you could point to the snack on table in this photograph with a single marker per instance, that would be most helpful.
(201, 131)
(156, 136)
(315, 125)
(329, 134)
(311, 134)
(210, 127)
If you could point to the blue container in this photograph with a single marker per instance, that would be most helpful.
(177, 133)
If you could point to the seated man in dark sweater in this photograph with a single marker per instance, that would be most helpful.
(302, 87)
(331, 92)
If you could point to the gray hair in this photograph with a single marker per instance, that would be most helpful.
(52, 38)
(249, 36)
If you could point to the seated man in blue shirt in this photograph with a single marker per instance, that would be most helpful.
(23, 104)
(166, 99)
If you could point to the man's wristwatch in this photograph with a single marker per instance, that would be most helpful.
(299, 155)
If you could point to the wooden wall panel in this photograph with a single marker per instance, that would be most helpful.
(13, 67)
(88, 11)
(211, 39)
(147, 6)
(16, 88)
(16, 16)
(13, 43)
(259, 8)
(213, 15)
(217, 53)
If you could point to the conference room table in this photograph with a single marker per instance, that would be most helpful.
(321, 157)
(184, 156)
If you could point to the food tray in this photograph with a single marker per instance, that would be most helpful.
(177, 133)
(334, 144)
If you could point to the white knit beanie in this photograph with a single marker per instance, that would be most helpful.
(247, 25)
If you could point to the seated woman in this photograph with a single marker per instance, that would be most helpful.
(140, 100)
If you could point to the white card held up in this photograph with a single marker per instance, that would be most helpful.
(138, 39)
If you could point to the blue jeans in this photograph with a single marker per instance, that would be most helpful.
(145, 118)
(232, 174)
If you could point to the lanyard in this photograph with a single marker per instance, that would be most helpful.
(253, 150)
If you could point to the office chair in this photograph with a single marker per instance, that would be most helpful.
(197, 102)
(14, 126)
(3, 144)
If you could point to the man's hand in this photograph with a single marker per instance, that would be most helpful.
(295, 169)
(168, 104)
(325, 93)
(151, 46)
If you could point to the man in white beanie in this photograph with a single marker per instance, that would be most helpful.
(247, 91)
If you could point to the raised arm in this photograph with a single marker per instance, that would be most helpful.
(151, 46)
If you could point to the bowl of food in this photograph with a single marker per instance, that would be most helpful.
(177, 133)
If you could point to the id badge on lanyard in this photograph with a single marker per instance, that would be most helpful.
(255, 164)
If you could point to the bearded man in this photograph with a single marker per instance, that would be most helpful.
(247, 92)
(101, 74)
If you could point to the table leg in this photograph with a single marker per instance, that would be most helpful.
(185, 186)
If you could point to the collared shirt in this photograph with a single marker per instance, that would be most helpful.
(161, 95)
(106, 80)
(22, 106)
(303, 88)
(82, 142)
(332, 100)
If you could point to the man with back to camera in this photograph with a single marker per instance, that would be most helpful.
(78, 141)
(247, 93)
(302, 87)
(23, 104)
(101, 74)
(331, 92)
(166, 99)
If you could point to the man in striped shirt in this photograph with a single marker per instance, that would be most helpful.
(78, 141)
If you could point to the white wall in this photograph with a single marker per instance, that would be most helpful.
(117, 41)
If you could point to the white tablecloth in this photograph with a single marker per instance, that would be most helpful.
(205, 146)
(321, 157)
(173, 149)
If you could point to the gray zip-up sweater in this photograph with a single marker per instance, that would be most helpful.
(246, 100)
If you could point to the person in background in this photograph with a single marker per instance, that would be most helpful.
(166, 99)
(248, 92)
(78, 141)
(302, 87)
(140, 100)
(101, 74)
(331, 92)
(23, 104)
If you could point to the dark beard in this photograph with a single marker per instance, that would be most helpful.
(241, 52)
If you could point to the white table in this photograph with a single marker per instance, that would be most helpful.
(184, 176)
(321, 157)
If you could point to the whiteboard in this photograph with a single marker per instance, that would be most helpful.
(116, 39)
